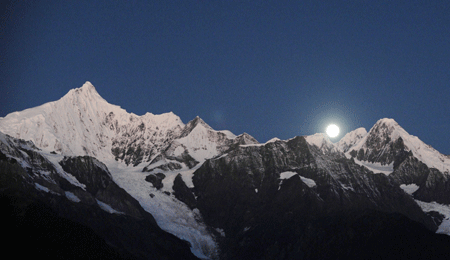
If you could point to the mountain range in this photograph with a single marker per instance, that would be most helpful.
(87, 179)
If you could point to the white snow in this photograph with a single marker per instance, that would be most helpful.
(309, 182)
(409, 188)
(83, 123)
(444, 227)
(40, 187)
(171, 215)
(322, 141)
(376, 167)
(221, 232)
(273, 140)
(55, 159)
(228, 134)
(107, 208)
(250, 145)
(319, 139)
(77, 124)
(72, 196)
(425, 153)
(288, 174)
(351, 138)
(200, 143)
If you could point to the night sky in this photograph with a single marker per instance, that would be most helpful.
(268, 68)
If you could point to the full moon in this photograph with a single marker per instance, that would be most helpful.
(332, 130)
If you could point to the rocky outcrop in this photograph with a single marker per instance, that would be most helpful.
(48, 201)
(183, 193)
(433, 184)
(156, 180)
(244, 195)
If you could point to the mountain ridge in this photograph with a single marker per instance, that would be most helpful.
(214, 189)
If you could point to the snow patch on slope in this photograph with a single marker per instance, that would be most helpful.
(288, 174)
(410, 188)
(376, 167)
(444, 227)
(171, 215)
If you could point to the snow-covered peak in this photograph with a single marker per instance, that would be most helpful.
(165, 120)
(321, 141)
(86, 92)
(273, 140)
(194, 123)
(350, 139)
(245, 139)
(381, 142)
(83, 123)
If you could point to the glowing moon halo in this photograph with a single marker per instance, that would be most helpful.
(332, 130)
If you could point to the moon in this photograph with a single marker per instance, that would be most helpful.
(332, 130)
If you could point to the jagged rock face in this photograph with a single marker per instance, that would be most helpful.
(196, 143)
(40, 193)
(83, 123)
(261, 201)
(98, 182)
(433, 184)
(183, 193)
(142, 138)
(388, 143)
(380, 145)
(243, 191)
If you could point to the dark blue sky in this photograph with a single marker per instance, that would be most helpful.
(268, 68)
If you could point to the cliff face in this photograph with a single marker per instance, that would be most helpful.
(126, 178)
(76, 205)
(285, 189)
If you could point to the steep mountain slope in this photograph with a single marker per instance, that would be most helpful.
(350, 139)
(270, 200)
(83, 123)
(84, 160)
(418, 168)
(388, 143)
(77, 198)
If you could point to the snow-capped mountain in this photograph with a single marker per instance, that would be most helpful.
(350, 139)
(388, 143)
(322, 142)
(229, 196)
(83, 123)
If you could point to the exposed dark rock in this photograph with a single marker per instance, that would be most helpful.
(171, 166)
(433, 184)
(183, 193)
(241, 193)
(36, 205)
(156, 180)
(436, 216)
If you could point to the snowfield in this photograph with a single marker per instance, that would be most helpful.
(171, 215)
(287, 175)
(444, 228)
(376, 167)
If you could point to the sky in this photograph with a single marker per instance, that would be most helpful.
(267, 68)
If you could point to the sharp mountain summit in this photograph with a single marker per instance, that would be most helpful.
(82, 178)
